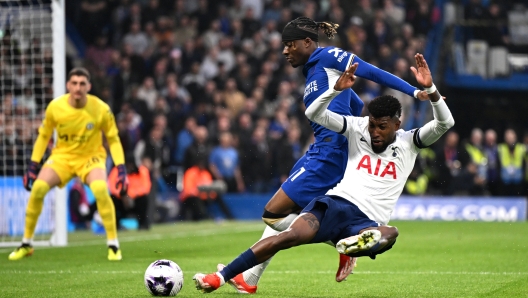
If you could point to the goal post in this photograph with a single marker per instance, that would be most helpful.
(32, 72)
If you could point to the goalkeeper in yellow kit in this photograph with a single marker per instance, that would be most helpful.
(78, 119)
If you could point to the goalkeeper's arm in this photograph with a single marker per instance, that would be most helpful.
(112, 137)
(45, 133)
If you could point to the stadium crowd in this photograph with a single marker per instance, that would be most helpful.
(194, 82)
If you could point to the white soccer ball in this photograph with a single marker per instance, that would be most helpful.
(163, 278)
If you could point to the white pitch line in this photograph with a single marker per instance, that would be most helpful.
(177, 235)
(271, 272)
(406, 272)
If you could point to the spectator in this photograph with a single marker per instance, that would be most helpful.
(196, 202)
(477, 166)
(234, 98)
(511, 157)
(100, 54)
(256, 162)
(200, 147)
(137, 39)
(492, 157)
(225, 165)
(288, 151)
(148, 93)
(449, 163)
(184, 139)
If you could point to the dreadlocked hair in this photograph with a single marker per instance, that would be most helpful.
(329, 28)
(385, 106)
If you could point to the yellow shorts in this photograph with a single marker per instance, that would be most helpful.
(68, 165)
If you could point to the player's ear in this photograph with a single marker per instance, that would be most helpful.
(89, 86)
(397, 124)
(306, 42)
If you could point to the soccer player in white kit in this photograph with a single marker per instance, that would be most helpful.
(355, 213)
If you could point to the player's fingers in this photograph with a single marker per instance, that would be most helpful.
(353, 67)
(414, 70)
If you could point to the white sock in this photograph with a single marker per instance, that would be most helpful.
(113, 242)
(28, 241)
(284, 223)
(252, 276)
(222, 281)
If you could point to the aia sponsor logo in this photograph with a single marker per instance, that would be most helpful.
(375, 167)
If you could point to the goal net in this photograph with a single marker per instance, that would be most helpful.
(31, 55)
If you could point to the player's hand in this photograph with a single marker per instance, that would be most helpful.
(422, 95)
(31, 175)
(122, 179)
(422, 73)
(347, 78)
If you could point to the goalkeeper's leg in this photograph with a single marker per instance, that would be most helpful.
(47, 179)
(96, 179)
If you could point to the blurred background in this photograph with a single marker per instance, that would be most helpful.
(202, 93)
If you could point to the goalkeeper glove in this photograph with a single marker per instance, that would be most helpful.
(31, 175)
(122, 179)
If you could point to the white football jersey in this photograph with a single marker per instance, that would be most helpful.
(373, 181)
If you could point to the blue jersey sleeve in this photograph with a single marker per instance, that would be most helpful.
(336, 58)
(372, 73)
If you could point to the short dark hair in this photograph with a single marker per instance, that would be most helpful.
(385, 106)
(308, 24)
(79, 71)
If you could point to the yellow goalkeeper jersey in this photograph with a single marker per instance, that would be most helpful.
(79, 131)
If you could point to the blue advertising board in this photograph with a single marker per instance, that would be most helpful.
(13, 202)
(247, 206)
(460, 208)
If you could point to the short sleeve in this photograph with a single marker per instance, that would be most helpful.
(354, 124)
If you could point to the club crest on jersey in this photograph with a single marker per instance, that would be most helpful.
(389, 170)
(90, 125)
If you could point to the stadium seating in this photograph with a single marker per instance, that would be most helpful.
(498, 64)
(477, 55)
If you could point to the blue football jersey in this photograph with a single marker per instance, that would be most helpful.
(323, 69)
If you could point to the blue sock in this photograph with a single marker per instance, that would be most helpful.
(243, 262)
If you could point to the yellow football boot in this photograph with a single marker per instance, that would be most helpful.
(114, 254)
(20, 252)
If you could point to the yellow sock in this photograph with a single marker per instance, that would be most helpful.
(106, 208)
(34, 206)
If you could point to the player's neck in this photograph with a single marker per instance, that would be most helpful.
(77, 103)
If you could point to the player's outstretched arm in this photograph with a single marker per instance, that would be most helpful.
(375, 74)
(111, 132)
(39, 148)
(318, 111)
(443, 120)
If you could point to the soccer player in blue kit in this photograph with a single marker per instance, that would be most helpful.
(323, 165)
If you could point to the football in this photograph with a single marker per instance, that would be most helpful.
(163, 278)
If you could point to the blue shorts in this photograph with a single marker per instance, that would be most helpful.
(319, 170)
(340, 219)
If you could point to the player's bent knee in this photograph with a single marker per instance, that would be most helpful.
(273, 220)
(99, 189)
(40, 189)
(393, 233)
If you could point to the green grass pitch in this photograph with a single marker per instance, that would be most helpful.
(430, 259)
